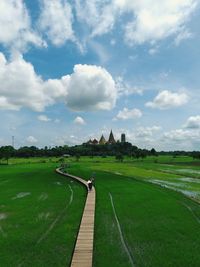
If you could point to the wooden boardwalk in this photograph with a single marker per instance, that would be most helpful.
(83, 251)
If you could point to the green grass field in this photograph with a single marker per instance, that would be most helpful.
(158, 227)
(141, 219)
(40, 213)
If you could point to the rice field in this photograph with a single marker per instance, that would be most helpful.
(40, 213)
(147, 212)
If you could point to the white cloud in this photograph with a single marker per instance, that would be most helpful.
(79, 120)
(70, 140)
(181, 139)
(149, 20)
(43, 118)
(98, 15)
(153, 51)
(127, 114)
(100, 50)
(146, 132)
(183, 35)
(166, 99)
(56, 21)
(193, 122)
(31, 139)
(15, 26)
(180, 135)
(155, 20)
(22, 87)
(143, 137)
(125, 88)
(89, 88)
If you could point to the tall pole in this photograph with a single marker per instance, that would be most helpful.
(13, 141)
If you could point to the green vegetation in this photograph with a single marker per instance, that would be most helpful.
(40, 212)
(140, 218)
(159, 227)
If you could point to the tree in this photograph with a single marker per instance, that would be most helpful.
(153, 152)
(143, 154)
(119, 157)
(77, 156)
(7, 152)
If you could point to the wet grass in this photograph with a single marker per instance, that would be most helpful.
(41, 220)
(164, 174)
(159, 227)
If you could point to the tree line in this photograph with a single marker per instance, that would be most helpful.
(118, 150)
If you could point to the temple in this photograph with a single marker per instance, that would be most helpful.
(102, 141)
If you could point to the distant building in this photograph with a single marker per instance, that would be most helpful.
(102, 140)
(95, 142)
(111, 139)
(123, 138)
(89, 142)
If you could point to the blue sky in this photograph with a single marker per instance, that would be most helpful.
(72, 70)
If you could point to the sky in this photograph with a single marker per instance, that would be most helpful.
(71, 70)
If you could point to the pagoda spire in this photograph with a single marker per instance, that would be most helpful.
(111, 139)
(102, 140)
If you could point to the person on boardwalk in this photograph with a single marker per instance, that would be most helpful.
(89, 183)
(92, 178)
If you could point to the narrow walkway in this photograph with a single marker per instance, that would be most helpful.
(83, 251)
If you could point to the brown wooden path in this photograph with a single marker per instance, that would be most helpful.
(83, 251)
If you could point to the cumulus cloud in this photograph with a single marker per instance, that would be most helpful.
(43, 118)
(79, 120)
(146, 132)
(166, 99)
(56, 21)
(149, 21)
(22, 87)
(127, 114)
(141, 21)
(180, 135)
(89, 87)
(193, 122)
(31, 139)
(155, 20)
(15, 26)
(98, 15)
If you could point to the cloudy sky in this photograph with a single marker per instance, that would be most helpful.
(71, 70)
